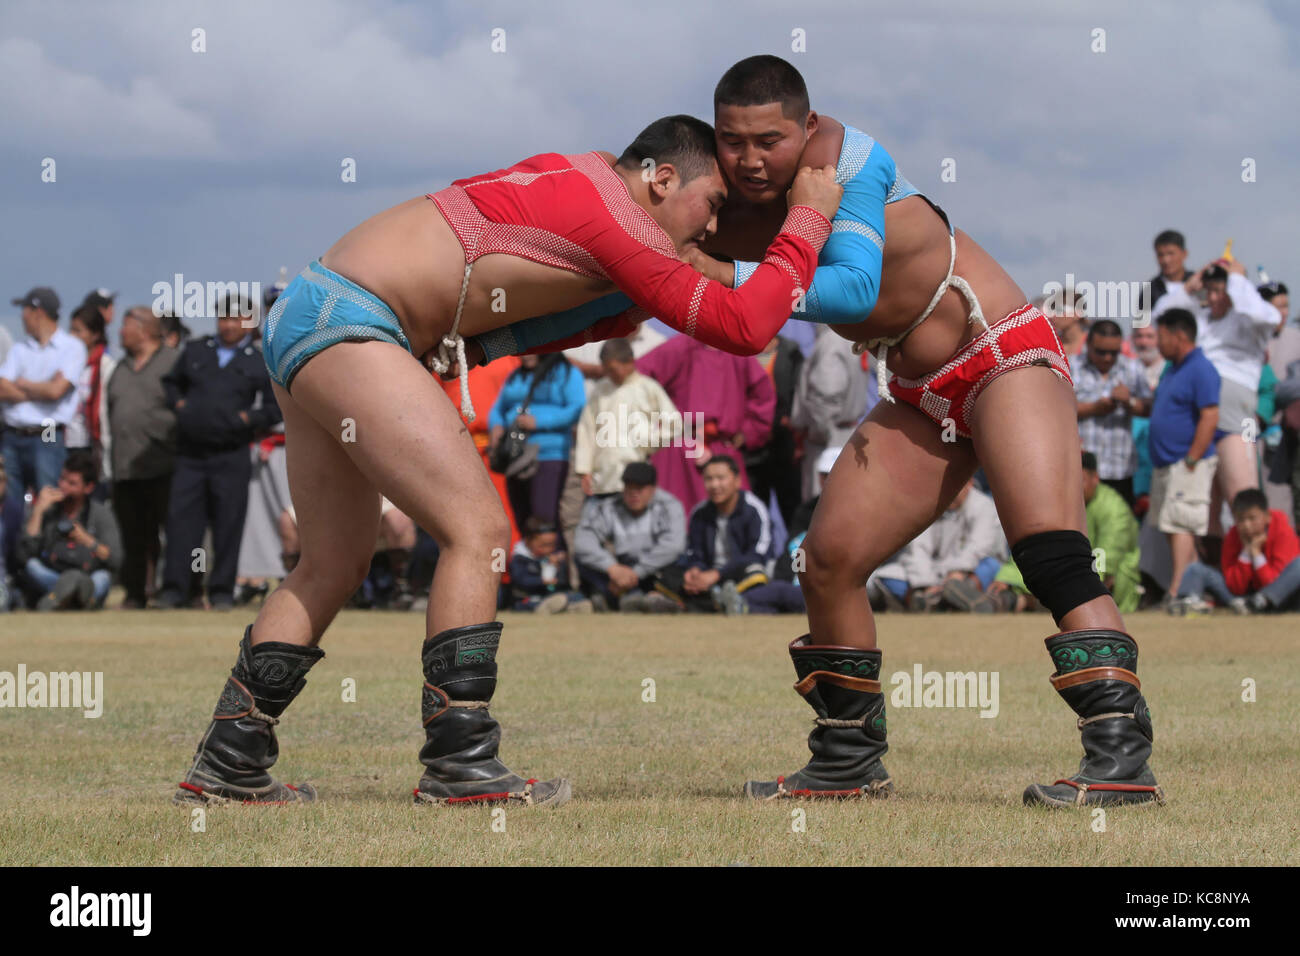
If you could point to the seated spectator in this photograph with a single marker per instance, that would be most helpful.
(624, 540)
(535, 563)
(951, 562)
(1260, 567)
(729, 544)
(72, 546)
(1113, 531)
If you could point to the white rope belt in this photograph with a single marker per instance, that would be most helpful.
(452, 348)
(883, 346)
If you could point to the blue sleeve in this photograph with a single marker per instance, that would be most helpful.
(526, 574)
(1207, 385)
(498, 414)
(847, 281)
(518, 337)
(555, 417)
(694, 556)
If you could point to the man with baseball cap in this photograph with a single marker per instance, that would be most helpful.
(38, 394)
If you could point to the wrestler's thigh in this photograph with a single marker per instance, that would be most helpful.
(1025, 425)
(336, 508)
(1237, 469)
(895, 475)
(401, 431)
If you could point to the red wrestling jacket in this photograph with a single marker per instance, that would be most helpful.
(575, 213)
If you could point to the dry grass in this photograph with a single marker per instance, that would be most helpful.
(654, 783)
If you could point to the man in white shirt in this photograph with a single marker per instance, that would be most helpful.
(1234, 328)
(950, 562)
(627, 417)
(38, 394)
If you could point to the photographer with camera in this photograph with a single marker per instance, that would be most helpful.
(72, 546)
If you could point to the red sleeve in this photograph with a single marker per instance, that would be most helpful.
(611, 327)
(1281, 548)
(1236, 573)
(741, 321)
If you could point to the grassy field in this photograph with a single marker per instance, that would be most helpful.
(654, 783)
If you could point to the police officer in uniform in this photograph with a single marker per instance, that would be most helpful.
(222, 396)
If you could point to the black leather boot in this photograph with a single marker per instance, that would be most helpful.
(1096, 674)
(461, 737)
(843, 686)
(240, 746)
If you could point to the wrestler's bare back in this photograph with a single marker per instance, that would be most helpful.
(915, 262)
(410, 257)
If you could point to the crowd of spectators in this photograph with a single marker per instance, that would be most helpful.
(654, 474)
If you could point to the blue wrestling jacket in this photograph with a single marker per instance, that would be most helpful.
(847, 280)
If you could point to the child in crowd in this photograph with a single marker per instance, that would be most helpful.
(1260, 566)
(535, 567)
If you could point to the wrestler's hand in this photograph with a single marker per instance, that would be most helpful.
(473, 357)
(709, 267)
(816, 188)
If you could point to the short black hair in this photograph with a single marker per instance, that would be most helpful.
(722, 460)
(536, 525)
(1249, 498)
(1089, 461)
(682, 141)
(758, 80)
(1105, 327)
(617, 350)
(81, 461)
(1271, 290)
(234, 305)
(1171, 237)
(172, 325)
(1179, 320)
(1215, 273)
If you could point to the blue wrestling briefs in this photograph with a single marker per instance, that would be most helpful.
(320, 308)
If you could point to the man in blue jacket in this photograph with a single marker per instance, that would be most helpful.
(728, 544)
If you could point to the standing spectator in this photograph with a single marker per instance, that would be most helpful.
(730, 394)
(1171, 260)
(1066, 311)
(775, 466)
(1113, 531)
(72, 546)
(624, 396)
(1285, 347)
(100, 301)
(625, 540)
(144, 456)
(6, 524)
(954, 560)
(552, 391)
(38, 392)
(221, 393)
(1260, 567)
(6, 343)
(1146, 348)
(536, 571)
(1285, 469)
(175, 332)
(1183, 420)
(1110, 389)
(1233, 330)
(728, 544)
(89, 428)
(829, 401)
(485, 383)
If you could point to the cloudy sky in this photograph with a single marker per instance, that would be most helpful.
(224, 165)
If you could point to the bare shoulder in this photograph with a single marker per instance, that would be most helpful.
(823, 148)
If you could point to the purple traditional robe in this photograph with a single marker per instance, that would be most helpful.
(733, 394)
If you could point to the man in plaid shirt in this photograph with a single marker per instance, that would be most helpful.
(1110, 389)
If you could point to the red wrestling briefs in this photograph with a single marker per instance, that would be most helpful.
(1025, 337)
(575, 213)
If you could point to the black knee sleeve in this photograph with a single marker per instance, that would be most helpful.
(1057, 568)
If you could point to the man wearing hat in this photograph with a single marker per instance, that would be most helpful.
(623, 541)
(38, 394)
